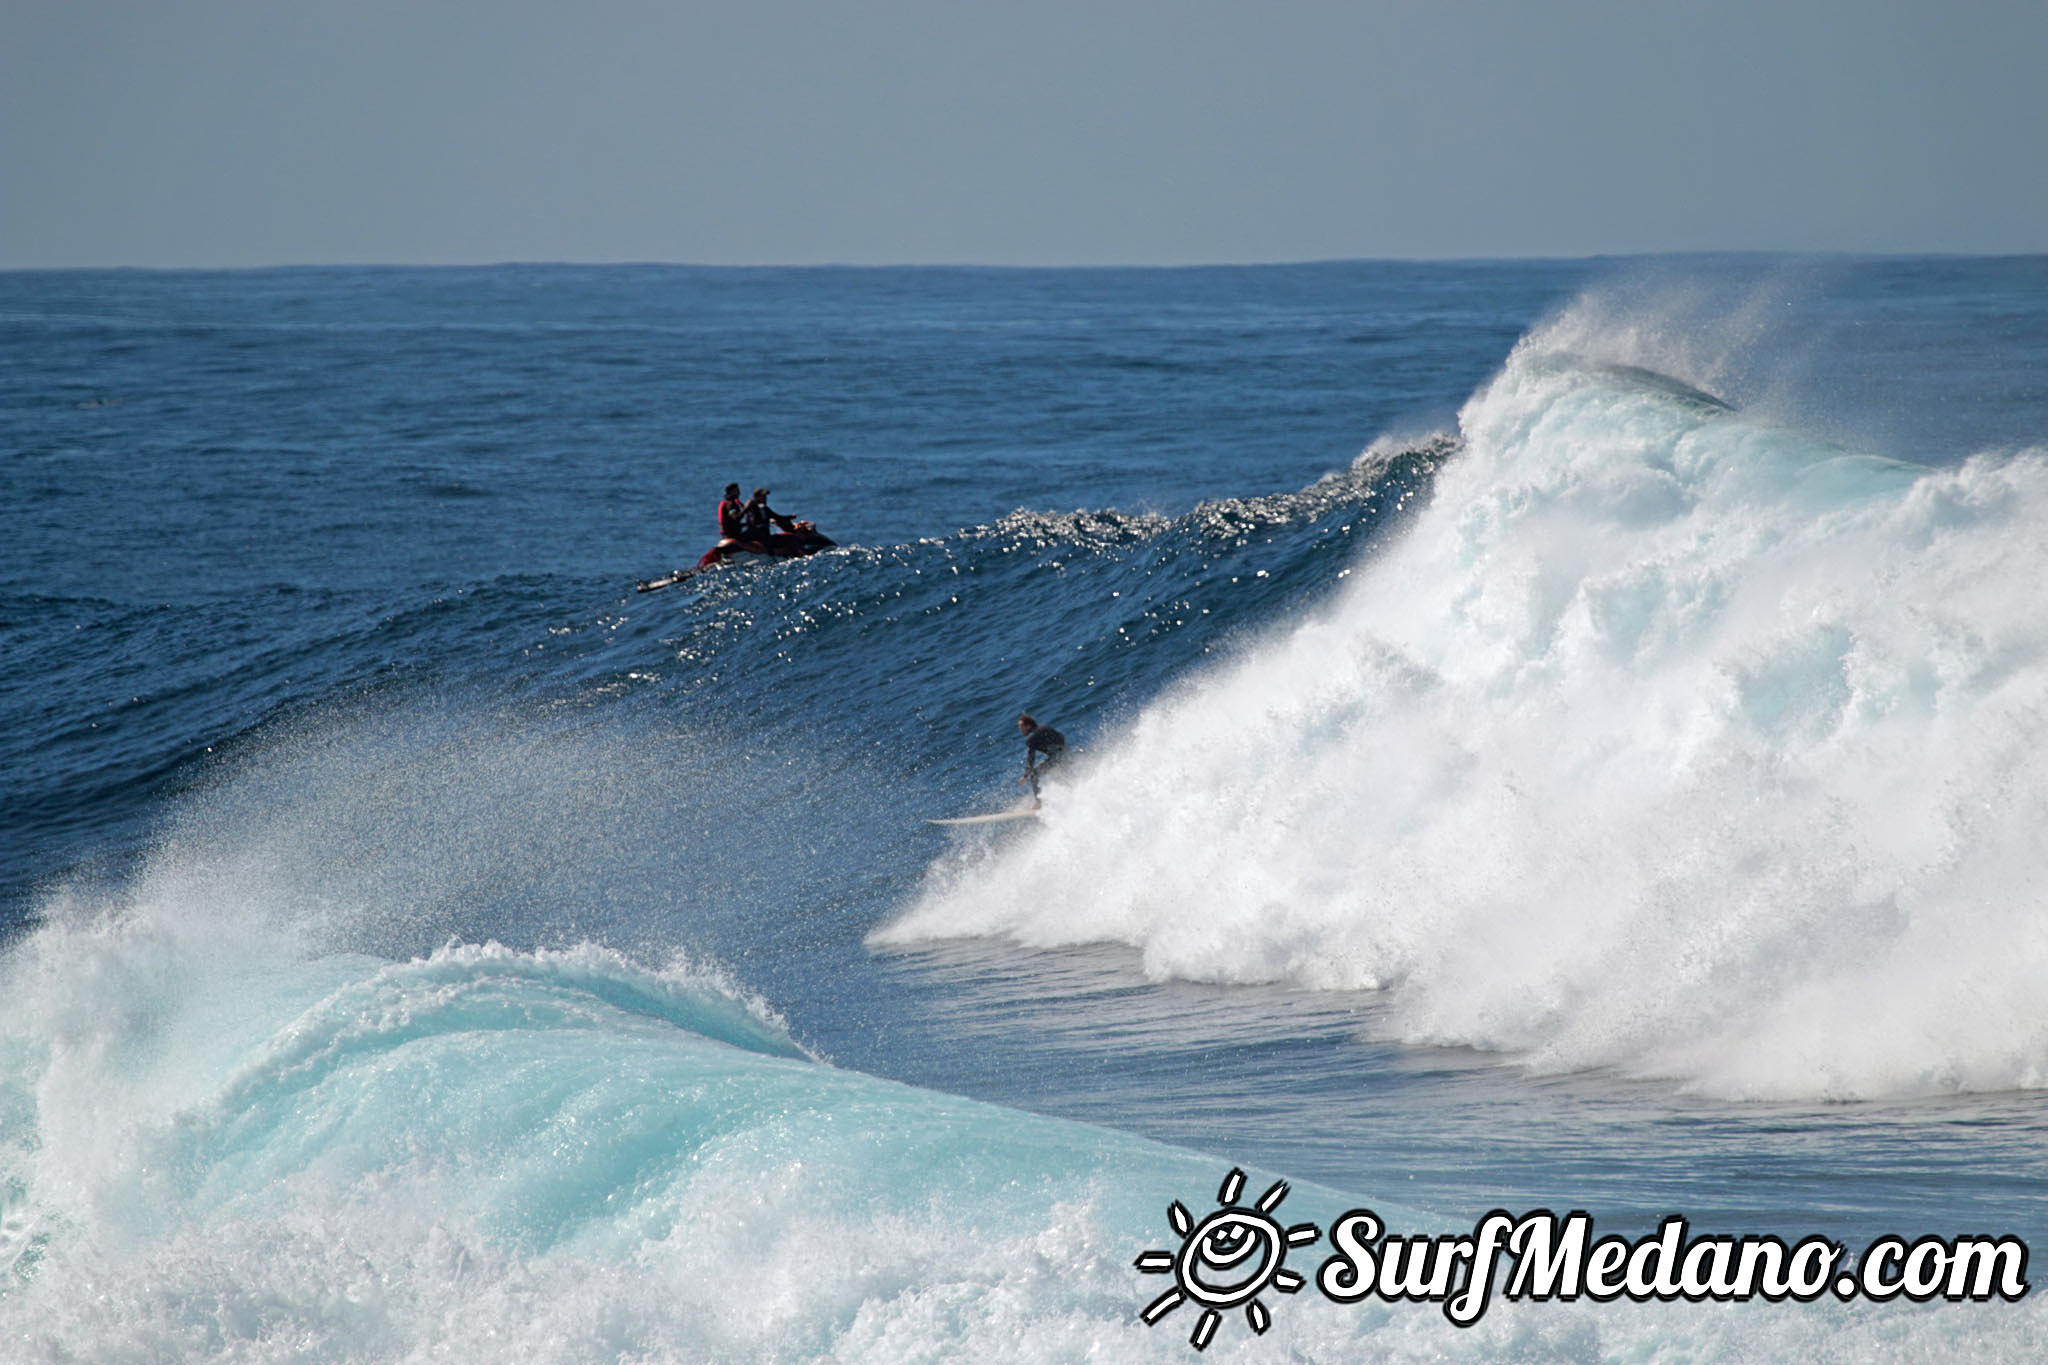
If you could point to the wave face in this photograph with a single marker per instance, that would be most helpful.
(1663, 739)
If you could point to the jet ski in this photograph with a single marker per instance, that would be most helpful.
(804, 539)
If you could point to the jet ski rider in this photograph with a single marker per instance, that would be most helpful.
(732, 516)
(759, 518)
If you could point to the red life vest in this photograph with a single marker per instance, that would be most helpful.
(732, 519)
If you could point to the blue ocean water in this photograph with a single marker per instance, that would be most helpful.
(1548, 735)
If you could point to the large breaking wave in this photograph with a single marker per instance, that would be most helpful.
(1665, 738)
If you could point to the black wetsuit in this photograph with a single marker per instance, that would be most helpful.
(1043, 748)
(761, 521)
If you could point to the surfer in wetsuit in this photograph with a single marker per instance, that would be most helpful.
(759, 518)
(1043, 748)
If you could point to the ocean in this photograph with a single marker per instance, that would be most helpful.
(1544, 738)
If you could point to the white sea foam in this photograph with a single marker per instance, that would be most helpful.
(218, 1141)
(564, 1176)
(1665, 739)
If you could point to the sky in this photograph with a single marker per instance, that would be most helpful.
(1032, 132)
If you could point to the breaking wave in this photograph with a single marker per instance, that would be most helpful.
(1663, 739)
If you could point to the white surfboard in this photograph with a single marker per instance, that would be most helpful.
(996, 818)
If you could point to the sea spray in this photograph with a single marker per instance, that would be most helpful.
(1664, 739)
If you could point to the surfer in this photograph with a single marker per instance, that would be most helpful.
(1043, 748)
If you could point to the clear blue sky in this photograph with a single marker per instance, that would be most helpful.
(255, 132)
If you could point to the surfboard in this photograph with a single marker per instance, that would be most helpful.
(995, 818)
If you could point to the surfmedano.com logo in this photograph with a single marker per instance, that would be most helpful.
(1230, 1258)
(1227, 1259)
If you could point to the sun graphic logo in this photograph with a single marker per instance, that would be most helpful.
(1227, 1259)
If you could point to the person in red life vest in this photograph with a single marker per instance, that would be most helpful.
(732, 516)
